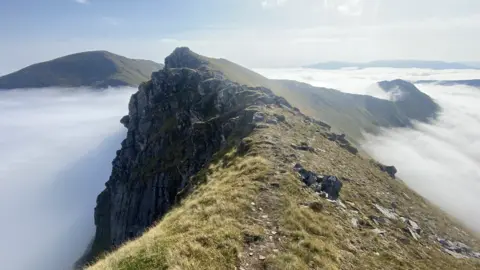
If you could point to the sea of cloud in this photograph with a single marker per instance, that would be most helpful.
(57, 146)
(441, 160)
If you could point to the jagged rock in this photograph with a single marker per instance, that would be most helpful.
(328, 185)
(386, 212)
(458, 249)
(378, 220)
(272, 121)
(125, 120)
(414, 226)
(391, 170)
(378, 231)
(258, 117)
(280, 118)
(176, 122)
(183, 57)
(308, 177)
(342, 142)
(303, 147)
(331, 186)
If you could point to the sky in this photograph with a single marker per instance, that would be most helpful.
(254, 33)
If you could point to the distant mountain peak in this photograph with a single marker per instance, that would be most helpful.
(95, 69)
(184, 57)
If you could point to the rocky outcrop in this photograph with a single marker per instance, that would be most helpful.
(177, 121)
(326, 185)
(342, 142)
(391, 170)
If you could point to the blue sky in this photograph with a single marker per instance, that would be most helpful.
(255, 33)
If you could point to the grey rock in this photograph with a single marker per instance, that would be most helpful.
(354, 222)
(280, 118)
(458, 249)
(125, 121)
(378, 231)
(386, 212)
(303, 147)
(390, 170)
(272, 121)
(342, 142)
(258, 117)
(414, 226)
(332, 186)
(176, 122)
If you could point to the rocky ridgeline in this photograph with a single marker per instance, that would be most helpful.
(177, 121)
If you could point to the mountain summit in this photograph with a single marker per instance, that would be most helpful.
(214, 174)
(96, 69)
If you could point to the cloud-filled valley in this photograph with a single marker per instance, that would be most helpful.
(441, 160)
(57, 147)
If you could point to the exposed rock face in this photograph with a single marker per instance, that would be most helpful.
(176, 123)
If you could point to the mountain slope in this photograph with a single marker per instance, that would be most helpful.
(354, 114)
(96, 69)
(215, 175)
(437, 65)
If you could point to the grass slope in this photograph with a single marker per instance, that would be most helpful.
(251, 211)
(97, 69)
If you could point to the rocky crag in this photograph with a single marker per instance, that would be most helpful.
(216, 175)
(176, 123)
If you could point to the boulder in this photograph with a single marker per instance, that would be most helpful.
(331, 186)
(303, 147)
(458, 249)
(391, 170)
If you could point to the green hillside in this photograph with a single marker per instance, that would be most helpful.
(96, 69)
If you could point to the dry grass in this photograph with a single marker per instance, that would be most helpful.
(206, 230)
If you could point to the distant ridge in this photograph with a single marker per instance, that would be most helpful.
(437, 65)
(472, 83)
(96, 69)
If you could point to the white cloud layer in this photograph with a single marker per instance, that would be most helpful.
(57, 148)
(441, 161)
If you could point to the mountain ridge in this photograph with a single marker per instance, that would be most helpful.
(436, 65)
(471, 82)
(218, 175)
(346, 112)
(95, 69)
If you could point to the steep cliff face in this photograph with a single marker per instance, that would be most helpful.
(177, 121)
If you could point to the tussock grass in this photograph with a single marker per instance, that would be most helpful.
(206, 230)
